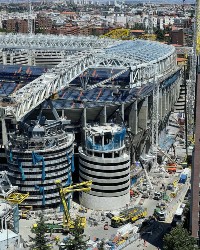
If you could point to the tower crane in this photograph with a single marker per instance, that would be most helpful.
(83, 186)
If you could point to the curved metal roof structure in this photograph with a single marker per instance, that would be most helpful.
(145, 60)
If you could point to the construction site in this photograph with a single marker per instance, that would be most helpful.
(93, 127)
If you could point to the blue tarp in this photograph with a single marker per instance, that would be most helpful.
(69, 161)
(183, 178)
(41, 189)
(21, 169)
(11, 155)
(69, 181)
(37, 158)
(72, 164)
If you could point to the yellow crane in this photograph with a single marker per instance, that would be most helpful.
(83, 186)
(123, 34)
(151, 37)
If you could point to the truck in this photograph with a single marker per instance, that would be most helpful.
(184, 175)
(157, 196)
(128, 215)
(24, 211)
(160, 214)
(178, 216)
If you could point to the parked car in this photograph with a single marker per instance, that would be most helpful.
(109, 215)
(145, 195)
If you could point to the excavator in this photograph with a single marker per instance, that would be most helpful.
(68, 223)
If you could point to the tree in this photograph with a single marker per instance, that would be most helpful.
(186, 222)
(77, 240)
(160, 34)
(179, 239)
(40, 241)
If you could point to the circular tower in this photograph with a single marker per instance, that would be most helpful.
(104, 160)
(36, 158)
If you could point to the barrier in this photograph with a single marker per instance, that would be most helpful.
(21, 169)
(72, 164)
(41, 189)
(129, 241)
(37, 158)
(69, 181)
(11, 155)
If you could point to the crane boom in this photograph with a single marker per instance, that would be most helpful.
(84, 186)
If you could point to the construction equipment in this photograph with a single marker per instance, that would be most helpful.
(166, 155)
(24, 211)
(157, 196)
(151, 37)
(123, 34)
(159, 214)
(8, 191)
(128, 215)
(161, 205)
(68, 224)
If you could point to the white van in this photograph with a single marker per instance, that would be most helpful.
(178, 217)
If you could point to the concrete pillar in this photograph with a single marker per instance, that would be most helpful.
(84, 123)
(131, 77)
(143, 115)
(133, 118)
(4, 132)
(63, 113)
(103, 116)
(30, 61)
(167, 101)
(164, 103)
(12, 58)
(142, 122)
(173, 96)
(122, 111)
(160, 105)
(4, 56)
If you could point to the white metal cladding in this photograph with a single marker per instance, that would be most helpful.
(34, 93)
(145, 59)
(39, 41)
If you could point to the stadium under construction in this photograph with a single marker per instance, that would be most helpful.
(82, 108)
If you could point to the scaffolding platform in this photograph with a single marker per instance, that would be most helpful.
(17, 198)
